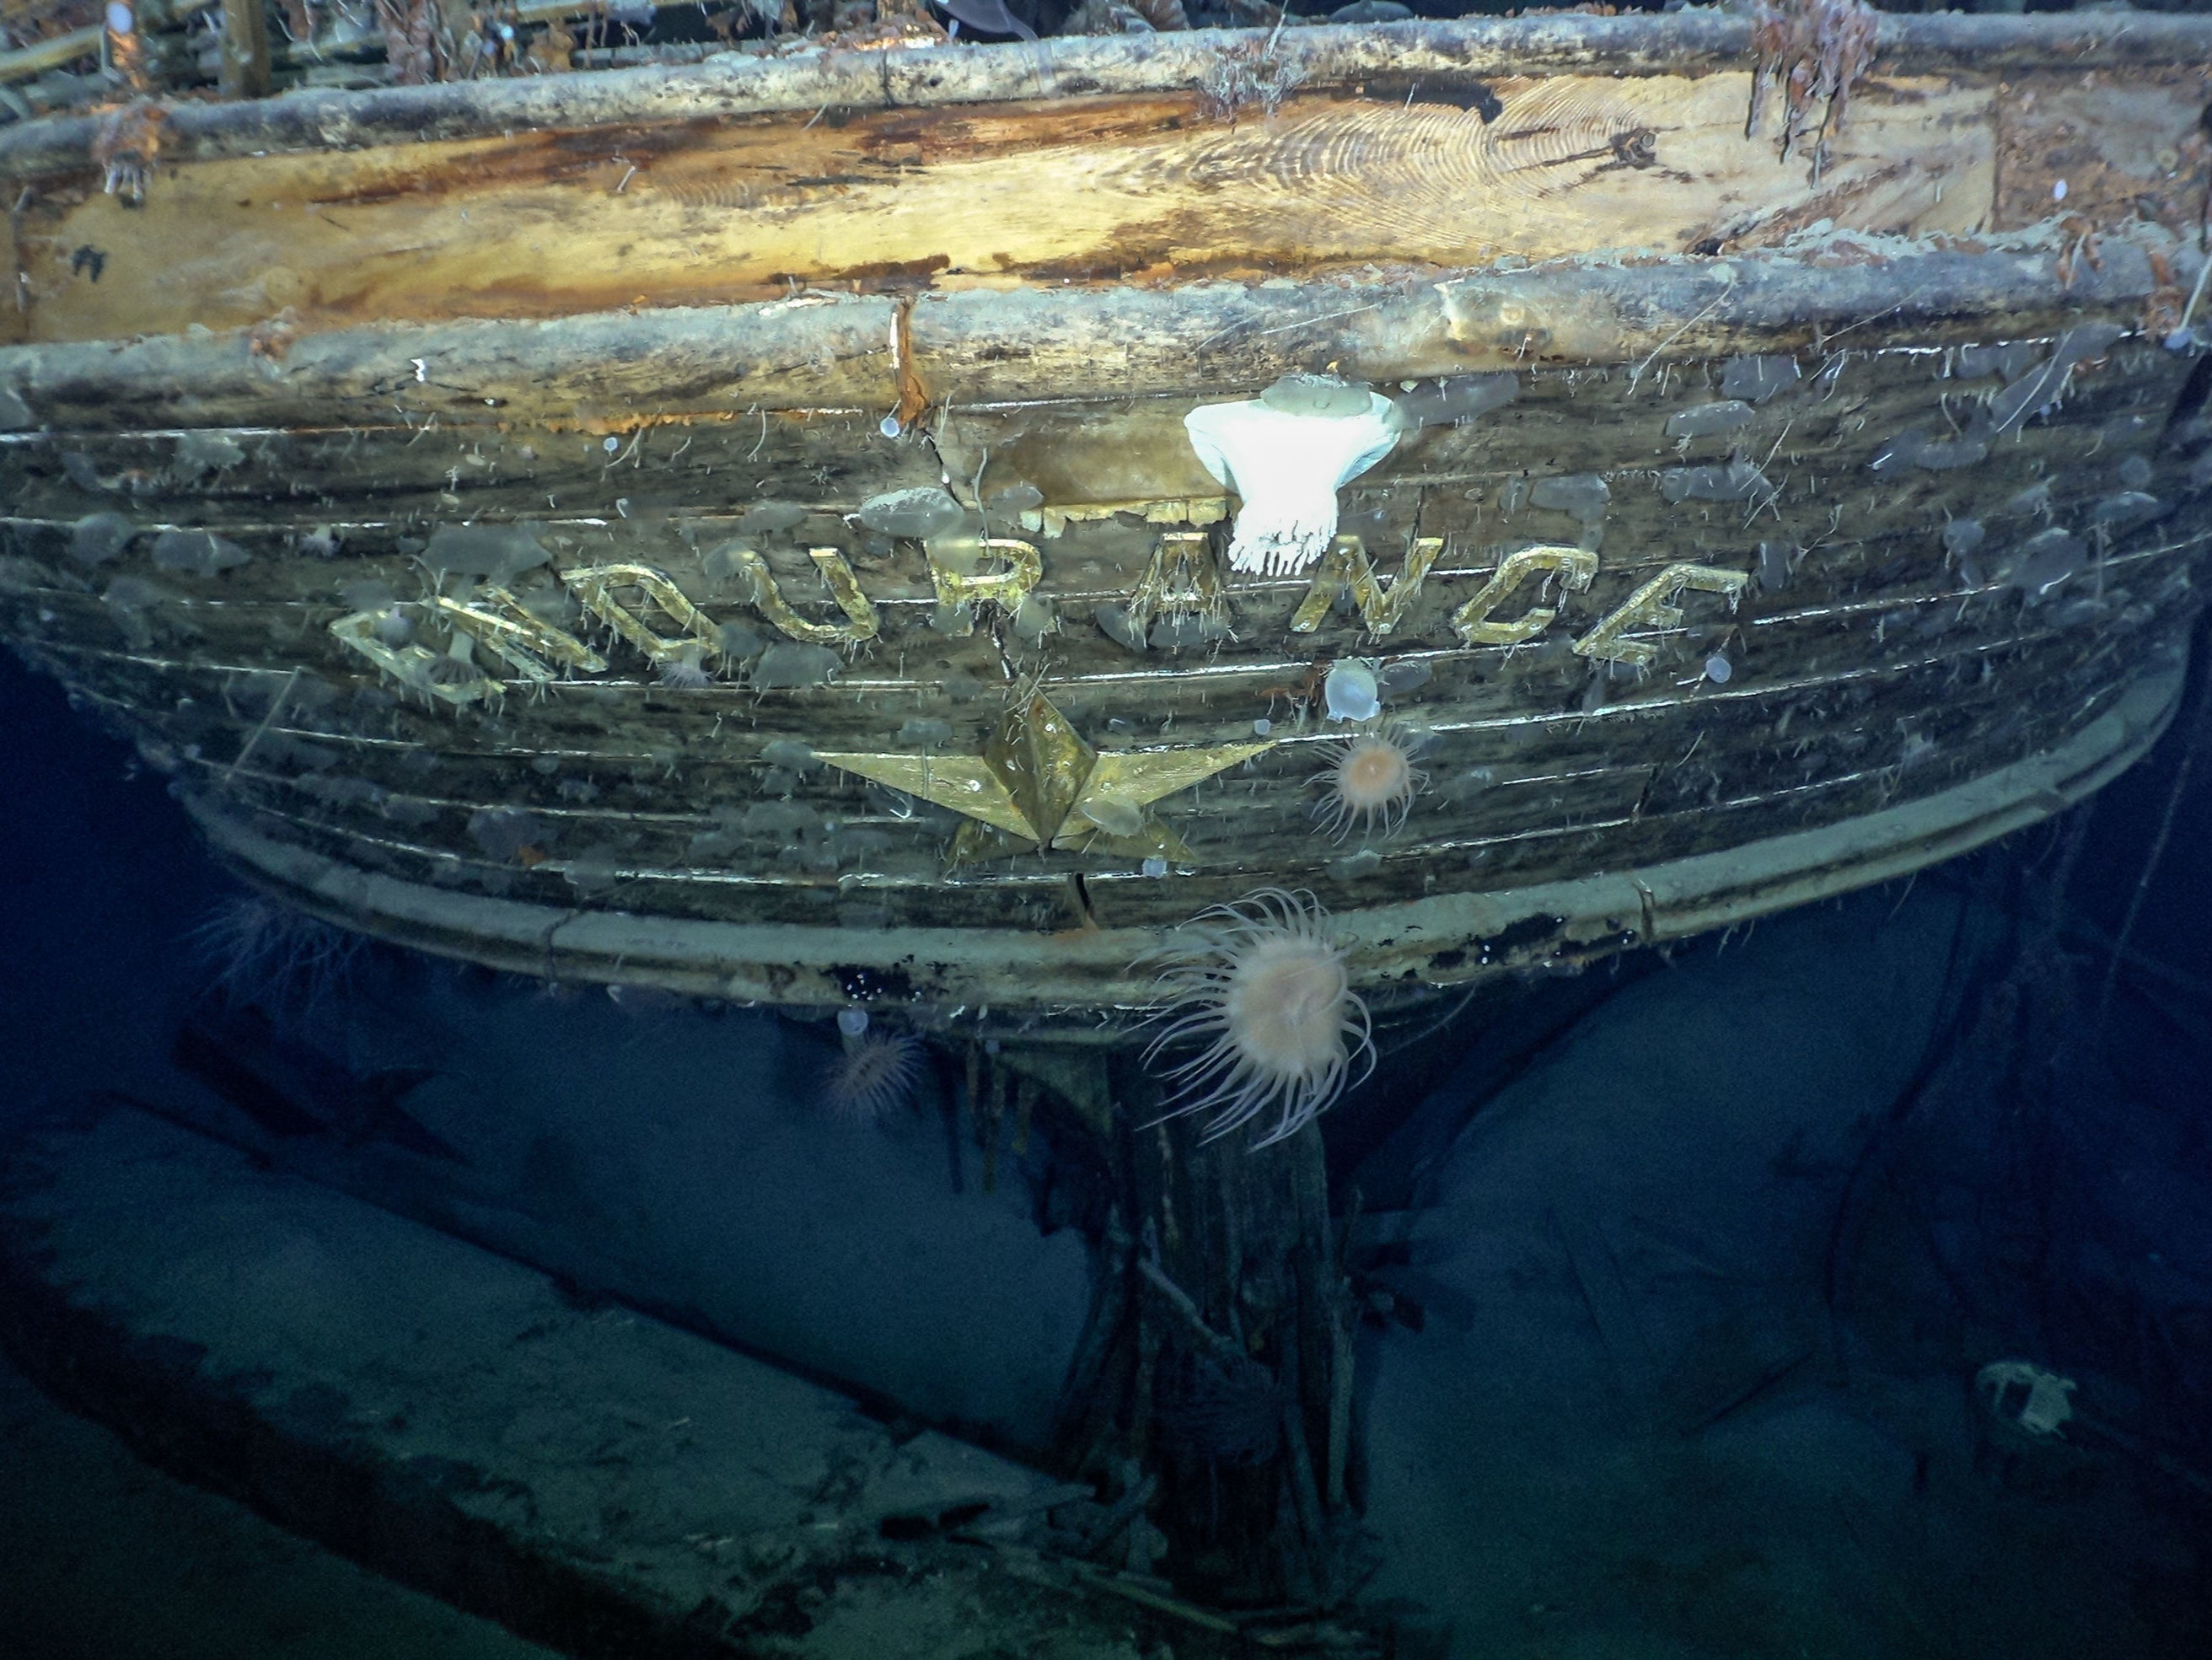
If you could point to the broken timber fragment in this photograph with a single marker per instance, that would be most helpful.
(400, 1444)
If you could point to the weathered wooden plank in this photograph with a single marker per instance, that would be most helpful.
(1560, 423)
(2100, 146)
(15, 307)
(546, 224)
(1028, 344)
(604, 372)
(1872, 553)
(1589, 794)
(396, 477)
(694, 476)
(243, 61)
(1521, 710)
(1461, 484)
(1840, 596)
(613, 373)
(1445, 54)
(937, 975)
(1025, 903)
(1785, 638)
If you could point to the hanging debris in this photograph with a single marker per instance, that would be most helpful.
(410, 40)
(128, 144)
(1818, 50)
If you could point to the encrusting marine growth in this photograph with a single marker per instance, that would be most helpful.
(1262, 988)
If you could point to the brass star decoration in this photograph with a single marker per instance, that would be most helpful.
(1038, 784)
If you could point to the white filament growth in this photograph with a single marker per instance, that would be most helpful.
(1285, 467)
(1261, 987)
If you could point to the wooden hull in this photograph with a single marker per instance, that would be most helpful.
(1672, 618)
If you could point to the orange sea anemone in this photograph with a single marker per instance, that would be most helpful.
(1259, 986)
(1370, 781)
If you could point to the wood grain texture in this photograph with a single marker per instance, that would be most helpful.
(1449, 54)
(616, 371)
(547, 224)
(2096, 149)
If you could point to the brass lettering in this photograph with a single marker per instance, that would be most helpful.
(594, 588)
(836, 576)
(1575, 567)
(1184, 578)
(492, 618)
(955, 573)
(1381, 608)
(496, 620)
(412, 665)
(1653, 605)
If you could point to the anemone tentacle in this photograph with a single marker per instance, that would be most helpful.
(1370, 781)
(261, 952)
(1258, 986)
(876, 1074)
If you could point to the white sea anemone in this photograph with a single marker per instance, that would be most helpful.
(873, 1077)
(685, 672)
(1261, 987)
(268, 954)
(1371, 782)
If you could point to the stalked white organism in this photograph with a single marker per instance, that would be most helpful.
(1285, 453)
(1370, 782)
(1259, 987)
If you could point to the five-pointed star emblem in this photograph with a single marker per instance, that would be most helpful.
(1038, 784)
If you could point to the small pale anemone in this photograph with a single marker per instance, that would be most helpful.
(457, 665)
(1260, 988)
(1370, 782)
(265, 953)
(873, 1077)
(685, 672)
